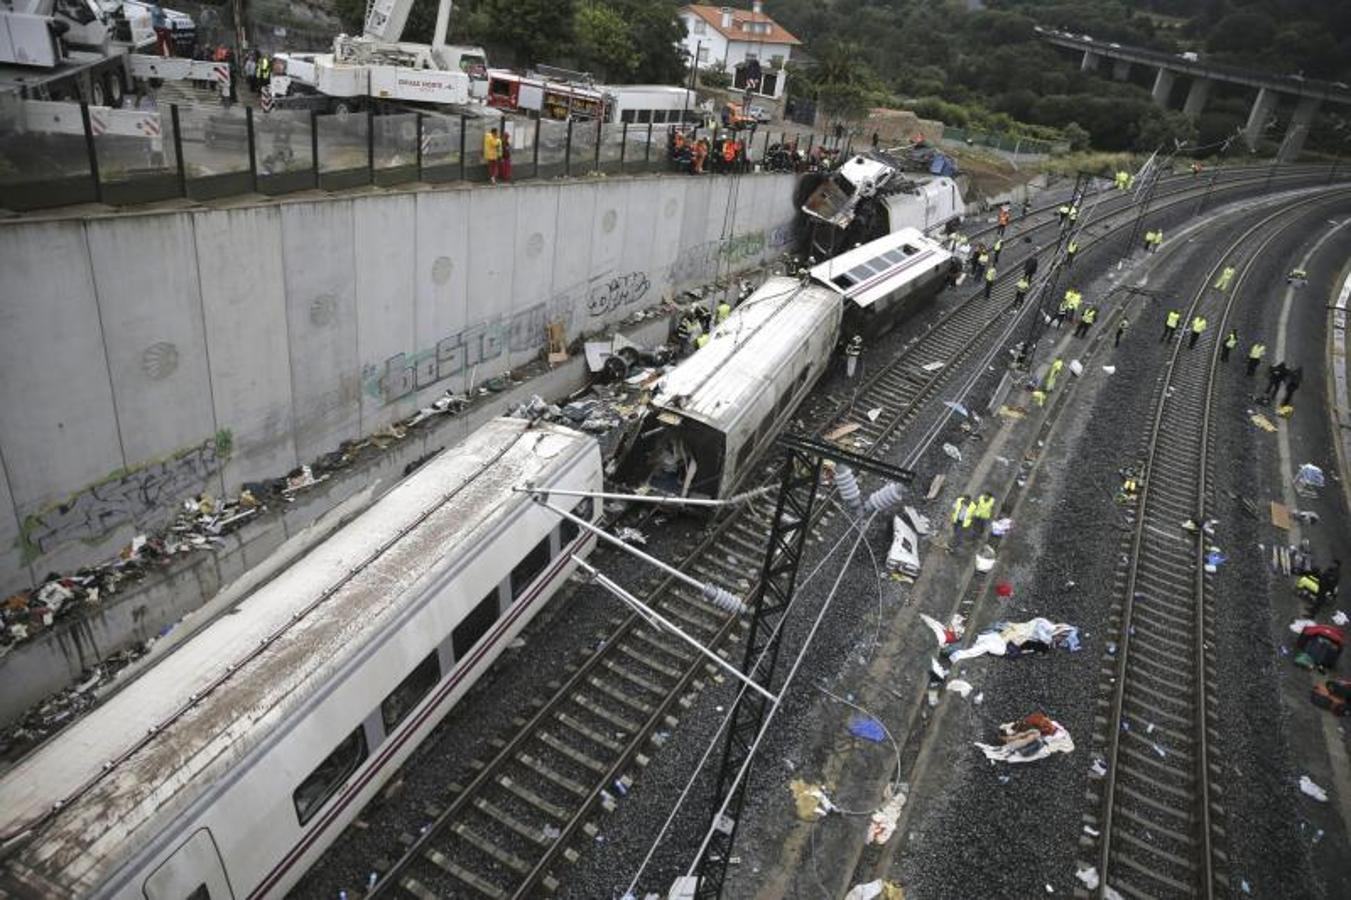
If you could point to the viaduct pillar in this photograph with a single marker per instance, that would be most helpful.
(1300, 123)
(1163, 87)
(1197, 96)
(1121, 69)
(1090, 62)
(1262, 108)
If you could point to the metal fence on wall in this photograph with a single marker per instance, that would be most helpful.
(57, 154)
(1007, 143)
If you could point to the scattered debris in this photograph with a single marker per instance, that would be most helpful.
(1340, 618)
(1308, 478)
(1088, 877)
(935, 486)
(1099, 768)
(932, 367)
(1013, 639)
(810, 800)
(883, 823)
(1307, 785)
(868, 728)
(961, 687)
(920, 522)
(1003, 590)
(953, 452)
(985, 558)
(1262, 422)
(1011, 412)
(958, 408)
(631, 535)
(904, 553)
(1110, 370)
(874, 413)
(1076, 368)
(1280, 515)
(843, 431)
(873, 890)
(1001, 527)
(946, 634)
(1031, 738)
(1214, 559)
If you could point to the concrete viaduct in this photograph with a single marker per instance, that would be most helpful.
(1307, 93)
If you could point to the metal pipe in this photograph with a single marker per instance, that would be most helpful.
(652, 615)
(661, 499)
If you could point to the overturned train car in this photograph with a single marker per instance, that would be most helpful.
(712, 415)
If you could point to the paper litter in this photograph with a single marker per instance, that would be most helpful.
(1307, 785)
(952, 451)
(631, 536)
(883, 823)
(1339, 618)
(1088, 877)
(810, 800)
(960, 687)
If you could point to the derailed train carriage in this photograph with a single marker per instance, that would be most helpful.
(224, 770)
(714, 413)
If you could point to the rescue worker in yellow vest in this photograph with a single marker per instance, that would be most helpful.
(701, 340)
(1170, 325)
(1086, 321)
(724, 310)
(1052, 374)
(1308, 586)
(1230, 342)
(685, 329)
(1255, 354)
(1149, 241)
(1063, 212)
(1020, 291)
(963, 509)
(1226, 276)
(1199, 325)
(1071, 249)
(983, 258)
(1074, 213)
(1157, 242)
(1122, 180)
(1073, 300)
(984, 507)
(998, 247)
(989, 281)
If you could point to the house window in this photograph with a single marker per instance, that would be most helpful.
(700, 26)
(703, 54)
(324, 781)
(776, 61)
(410, 692)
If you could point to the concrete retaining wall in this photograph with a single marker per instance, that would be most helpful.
(146, 357)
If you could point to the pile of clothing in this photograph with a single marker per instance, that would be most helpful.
(1013, 639)
(1029, 739)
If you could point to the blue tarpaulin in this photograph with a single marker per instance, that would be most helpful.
(867, 728)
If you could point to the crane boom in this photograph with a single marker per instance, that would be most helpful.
(385, 19)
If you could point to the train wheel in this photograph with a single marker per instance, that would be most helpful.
(115, 90)
(97, 95)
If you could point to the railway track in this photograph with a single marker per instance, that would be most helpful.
(528, 810)
(1160, 834)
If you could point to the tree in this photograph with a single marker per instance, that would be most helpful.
(1158, 128)
(603, 42)
(1076, 135)
(534, 31)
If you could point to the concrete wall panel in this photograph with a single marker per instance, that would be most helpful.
(572, 251)
(386, 264)
(441, 282)
(492, 251)
(668, 217)
(317, 252)
(239, 257)
(58, 428)
(145, 273)
(14, 572)
(532, 294)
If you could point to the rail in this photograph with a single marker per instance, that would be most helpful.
(1156, 831)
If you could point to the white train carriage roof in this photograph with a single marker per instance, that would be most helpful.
(317, 614)
(744, 353)
(879, 268)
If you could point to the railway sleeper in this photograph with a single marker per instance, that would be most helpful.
(679, 651)
(552, 775)
(412, 886)
(486, 846)
(551, 809)
(576, 756)
(638, 657)
(455, 870)
(633, 678)
(601, 712)
(507, 820)
(1150, 875)
(1152, 850)
(614, 693)
(1180, 817)
(577, 726)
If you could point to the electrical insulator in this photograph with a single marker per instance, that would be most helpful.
(723, 599)
(847, 485)
(886, 499)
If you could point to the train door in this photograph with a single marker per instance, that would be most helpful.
(192, 872)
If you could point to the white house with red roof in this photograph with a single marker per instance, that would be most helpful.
(743, 39)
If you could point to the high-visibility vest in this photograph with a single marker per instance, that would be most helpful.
(961, 511)
(1090, 315)
(1158, 237)
(1199, 324)
(984, 507)
(1073, 299)
(723, 312)
(983, 259)
(701, 340)
(1064, 210)
(1232, 341)
(1023, 285)
(1257, 351)
(1073, 248)
(998, 245)
(1307, 583)
(1074, 213)
(990, 275)
(1174, 317)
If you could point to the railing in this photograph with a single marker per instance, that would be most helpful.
(57, 154)
(1009, 143)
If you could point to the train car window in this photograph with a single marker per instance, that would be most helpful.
(474, 626)
(644, 116)
(626, 116)
(528, 568)
(409, 692)
(844, 281)
(894, 256)
(744, 454)
(909, 250)
(324, 781)
(569, 530)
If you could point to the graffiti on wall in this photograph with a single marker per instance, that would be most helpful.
(458, 353)
(125, 497)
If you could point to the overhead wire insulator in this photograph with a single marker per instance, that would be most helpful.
(847, 484)
(886, 499)
(723, 599)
